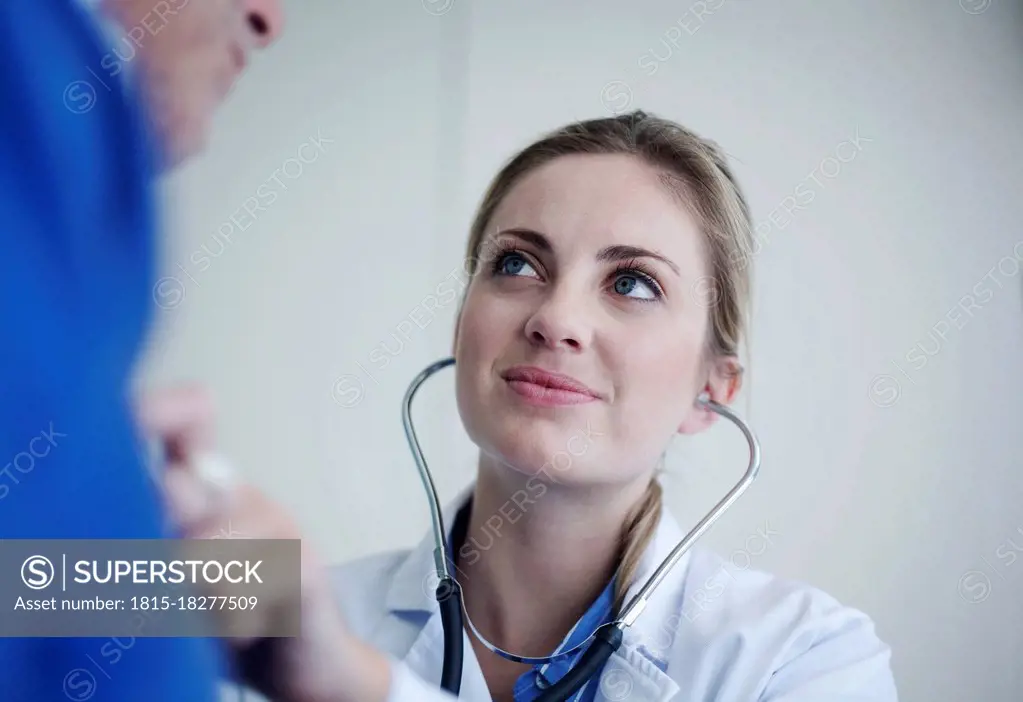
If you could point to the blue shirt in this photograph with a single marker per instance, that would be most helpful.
(77, 224)
(529, 685)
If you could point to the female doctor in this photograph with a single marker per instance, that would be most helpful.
(610, 278)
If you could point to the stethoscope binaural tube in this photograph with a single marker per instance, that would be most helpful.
(448, 593)
(607, 638)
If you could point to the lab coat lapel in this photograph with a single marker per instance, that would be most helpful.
(426, 658)
(414, 585)
(412, 596)
(636, 672)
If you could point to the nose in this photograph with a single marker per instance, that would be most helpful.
(559, 324)
(265, 20)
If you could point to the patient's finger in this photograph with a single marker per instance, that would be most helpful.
(181, 417)
(187, 497)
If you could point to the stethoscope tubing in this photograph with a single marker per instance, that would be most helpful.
(603, 642)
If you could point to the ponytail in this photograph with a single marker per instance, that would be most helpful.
(639, 530)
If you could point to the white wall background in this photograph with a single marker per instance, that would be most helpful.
(899, 495)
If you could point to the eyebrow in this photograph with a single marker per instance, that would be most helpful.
(607, 254)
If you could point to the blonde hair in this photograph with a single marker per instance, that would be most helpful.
(697, 173)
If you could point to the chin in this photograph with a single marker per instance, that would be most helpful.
(184, 144)
(560, 449)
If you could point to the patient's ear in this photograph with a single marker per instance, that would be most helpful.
(723, 384)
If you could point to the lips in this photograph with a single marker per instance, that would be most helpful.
(239, 58)
(544, 387)
(234, 68)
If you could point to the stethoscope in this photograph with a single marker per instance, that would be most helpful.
(607, 638)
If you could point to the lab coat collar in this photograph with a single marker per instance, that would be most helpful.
(634, 672)
(415, 582)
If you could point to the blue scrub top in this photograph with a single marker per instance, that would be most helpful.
(77, 221)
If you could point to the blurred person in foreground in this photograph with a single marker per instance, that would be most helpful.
(97, 97)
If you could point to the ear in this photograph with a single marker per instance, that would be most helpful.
(723, 384)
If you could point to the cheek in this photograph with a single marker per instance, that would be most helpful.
(659, 372)
(483, 339)
(190, 53)
(486, 328)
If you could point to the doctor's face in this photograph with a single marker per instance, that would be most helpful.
(580, 348)
(188, 54)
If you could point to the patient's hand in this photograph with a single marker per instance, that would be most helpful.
(325, 663)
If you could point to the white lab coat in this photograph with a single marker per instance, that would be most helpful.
(713, 630)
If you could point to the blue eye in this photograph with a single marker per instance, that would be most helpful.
(627, 283)
(512, 264)
(630, 280)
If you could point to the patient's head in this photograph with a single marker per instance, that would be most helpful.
(188, 54)
(611, 251)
